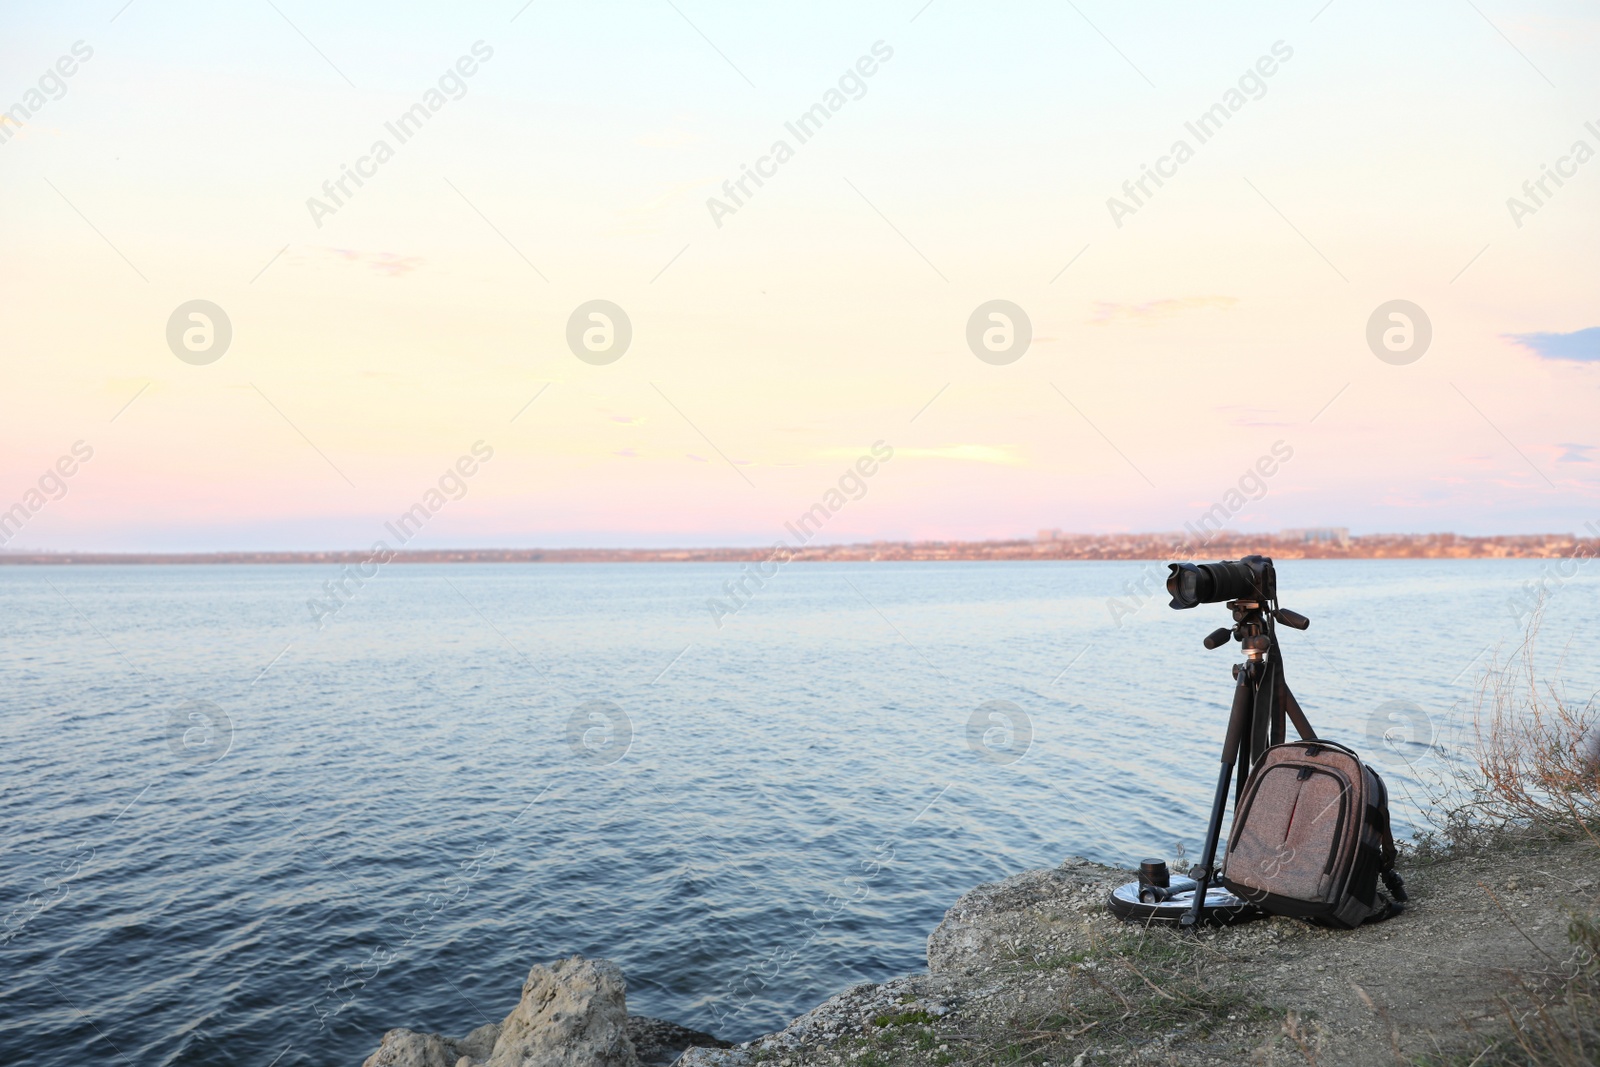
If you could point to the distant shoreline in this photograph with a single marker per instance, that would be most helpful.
(1106, 547)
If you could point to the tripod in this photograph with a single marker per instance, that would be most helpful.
(1261, 699)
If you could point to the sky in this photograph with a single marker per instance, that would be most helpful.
(1349, 274)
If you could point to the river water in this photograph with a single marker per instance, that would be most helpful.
(231, 837)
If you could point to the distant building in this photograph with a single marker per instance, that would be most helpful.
(1048, 535)
(1319, 535)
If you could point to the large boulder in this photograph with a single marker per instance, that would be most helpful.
(573, 1013)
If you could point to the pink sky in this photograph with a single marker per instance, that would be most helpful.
(373, 345)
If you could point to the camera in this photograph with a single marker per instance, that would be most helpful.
(1250, 578)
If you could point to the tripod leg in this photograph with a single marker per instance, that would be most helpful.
(1238, 723)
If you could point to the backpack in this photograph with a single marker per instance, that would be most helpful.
(1311, 837)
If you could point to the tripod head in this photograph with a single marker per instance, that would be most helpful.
(1250, 627)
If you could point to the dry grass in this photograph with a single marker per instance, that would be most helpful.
(1534, 771)
(1538, 751)
(1135, 989)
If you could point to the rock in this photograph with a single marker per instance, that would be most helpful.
(1044, 908)
(407, 1048)
(573, 1013)
(658, 1043)
(479, 1044)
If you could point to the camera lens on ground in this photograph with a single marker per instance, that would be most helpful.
(1154, 872)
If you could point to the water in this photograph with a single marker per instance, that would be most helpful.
(405, 815)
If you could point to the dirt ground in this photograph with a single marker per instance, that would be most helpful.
(1430, 982)
(1035, 970)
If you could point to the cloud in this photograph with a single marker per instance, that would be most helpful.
(1575, 453)
(386, 263)
(1153, 310)
(1579, 346)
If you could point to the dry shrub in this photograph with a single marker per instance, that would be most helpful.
(1538, 751)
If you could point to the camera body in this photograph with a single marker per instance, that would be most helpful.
(1250, 578)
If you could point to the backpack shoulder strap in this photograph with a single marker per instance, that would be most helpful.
(1286, 703)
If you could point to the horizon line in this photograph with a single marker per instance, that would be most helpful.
(1048, 545)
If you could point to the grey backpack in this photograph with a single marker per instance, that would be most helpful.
(1311, 837)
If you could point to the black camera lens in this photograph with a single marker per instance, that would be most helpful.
(1191, 584)
(1234, 580)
